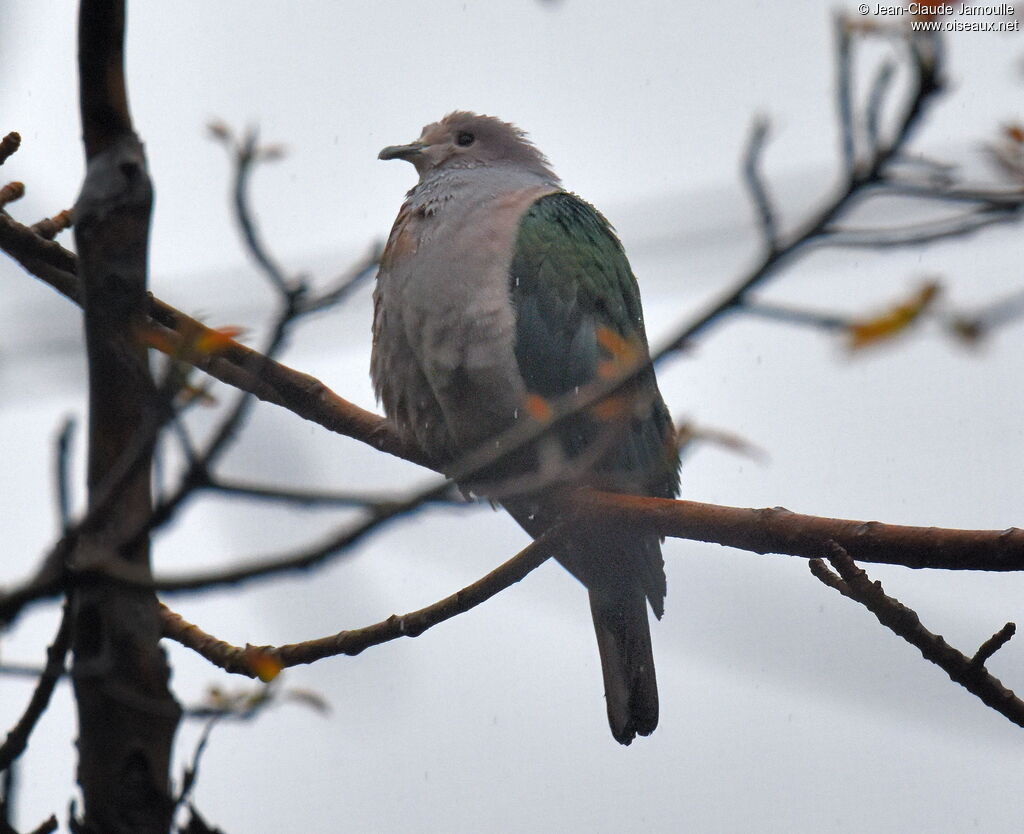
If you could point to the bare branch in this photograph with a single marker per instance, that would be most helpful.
(844, 92)
(763, 208)
(9, 145)
(344, 285)
(312, 497)
(858, 180)
(192, 771)
(903, 621)
(299, 560)
(793, 315)
(1006, 310)
(61, 467)
(50, 227)
(17, 738)
(777, 530)
(916, 234)
(11, 193)
(769, 530)
(245, 154)
(876, 101)
(46, 826)
(239, 660)
(988, 197)
(993, 644)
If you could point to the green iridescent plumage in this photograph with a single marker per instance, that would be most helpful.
(569, 279)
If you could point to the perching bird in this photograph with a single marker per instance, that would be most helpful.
(498, 293)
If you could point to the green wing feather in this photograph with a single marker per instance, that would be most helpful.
(571, 285)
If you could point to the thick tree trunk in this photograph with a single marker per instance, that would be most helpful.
(127, 715)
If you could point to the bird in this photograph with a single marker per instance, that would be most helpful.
(498, 294)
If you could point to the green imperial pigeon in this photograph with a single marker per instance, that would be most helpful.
(500, 293)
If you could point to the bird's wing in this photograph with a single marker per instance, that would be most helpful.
(578, 321)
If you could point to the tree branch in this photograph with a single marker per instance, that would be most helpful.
(17, 738)
(763, 208)
(248, 660)
(777, 530)
(316, 498)
(971, 674)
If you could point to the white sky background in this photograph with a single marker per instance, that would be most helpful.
(784, 707)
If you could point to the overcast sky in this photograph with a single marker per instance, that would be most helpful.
(784, 707)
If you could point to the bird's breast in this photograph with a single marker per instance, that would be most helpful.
(445, 329)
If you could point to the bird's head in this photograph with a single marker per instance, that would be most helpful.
(468, 140)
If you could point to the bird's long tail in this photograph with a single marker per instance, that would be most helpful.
(627, 661)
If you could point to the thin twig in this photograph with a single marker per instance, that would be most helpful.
(246, 154)
(62, 463)
(8, 789)
(947, 228)
(238, 660)
(763, 209)
(1006, 310)
(792, 315)
(994, 198)
(300, 560)
(47, 826)
(993, 644)
(9, 146)
(17, 739)
(345, 284)
(188, 780)
(293, 304)
(858, 180)
(312, 497)
(49, 227)
(21, 670)
(876, 101)
(844, 92)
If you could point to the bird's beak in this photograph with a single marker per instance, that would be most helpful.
(406, 152)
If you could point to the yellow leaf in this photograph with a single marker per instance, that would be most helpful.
(195, 339)
(264, 665)
(216, 340)
(893, 321)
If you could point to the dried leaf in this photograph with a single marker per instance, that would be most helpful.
(265, 665)
(891, 322)
(216, 339)
(220, 131)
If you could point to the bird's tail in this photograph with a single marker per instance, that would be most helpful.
(627, 661)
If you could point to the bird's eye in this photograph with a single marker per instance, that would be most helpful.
(464, 139)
